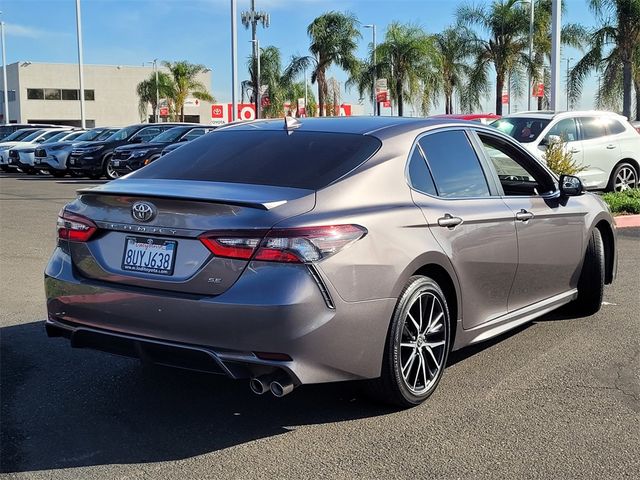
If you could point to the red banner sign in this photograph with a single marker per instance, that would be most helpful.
(538, 90)
(164, 111)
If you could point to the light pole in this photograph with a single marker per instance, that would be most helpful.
(252, 18)
(531, 21)
(4, 76)
(80, 62)
(234, 61)
(257, 88)
(306, 111)
(376, 110)
(154, 62)
(567, 88)
(556, 27)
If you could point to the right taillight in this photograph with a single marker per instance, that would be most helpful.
(288, 245)
(74, 227)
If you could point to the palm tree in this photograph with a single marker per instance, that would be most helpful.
(453, 47)
(408, 57)
(334, 38)
(183, 75)
(271, 79)
(507, 24)
(612, 50)
(146, 91)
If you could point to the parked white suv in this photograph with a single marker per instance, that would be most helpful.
(603, 142)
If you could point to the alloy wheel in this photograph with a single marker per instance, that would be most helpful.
(111, 172)
(625, 179)
(423, 343)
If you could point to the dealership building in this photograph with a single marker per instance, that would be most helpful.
(49, 93)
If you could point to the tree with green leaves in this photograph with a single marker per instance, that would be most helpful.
(334, 37)
(272, 81)
(613, 47)
(146, 91)
(453, 47)
(506, 24)
(184, 83)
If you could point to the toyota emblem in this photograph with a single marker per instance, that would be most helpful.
(143, 211)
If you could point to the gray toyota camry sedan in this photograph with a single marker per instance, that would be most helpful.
(295, 252)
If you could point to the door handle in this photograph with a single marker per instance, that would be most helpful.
(449, 221)
(574, 150)
(610, 147)
(523, 215)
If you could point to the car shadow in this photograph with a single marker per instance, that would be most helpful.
(64, 408)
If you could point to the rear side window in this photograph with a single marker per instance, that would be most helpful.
(454, 164)
(614, 127)
(593, 127)
(298, 159)
(419, 175)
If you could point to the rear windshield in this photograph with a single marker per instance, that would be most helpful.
(310, 160)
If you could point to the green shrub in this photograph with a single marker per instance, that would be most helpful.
(560, 161)
(627, 201)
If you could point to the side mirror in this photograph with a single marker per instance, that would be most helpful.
(570, 186)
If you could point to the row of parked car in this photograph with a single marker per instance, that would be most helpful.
(95, 153)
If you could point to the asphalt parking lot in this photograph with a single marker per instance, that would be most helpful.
(558, 398)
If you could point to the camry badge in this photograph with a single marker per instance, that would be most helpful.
(143, 211)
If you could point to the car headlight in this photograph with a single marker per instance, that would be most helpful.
(57, 147)
(139, 153)
(92, 149)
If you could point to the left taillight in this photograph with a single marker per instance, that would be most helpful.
(74, 227)
(287, 245)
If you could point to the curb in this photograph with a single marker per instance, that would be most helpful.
(627, 221)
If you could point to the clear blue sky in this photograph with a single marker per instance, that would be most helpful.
(129, 32)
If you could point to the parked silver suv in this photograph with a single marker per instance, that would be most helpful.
(333, 249)
(604, 143)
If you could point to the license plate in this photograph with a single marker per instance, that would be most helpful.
(72, 161)
(149, 255)
(115, 163)
(37, 161)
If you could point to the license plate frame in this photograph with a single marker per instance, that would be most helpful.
(141, 263)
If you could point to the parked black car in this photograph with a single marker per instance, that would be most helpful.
(128, 158)
(94, 159)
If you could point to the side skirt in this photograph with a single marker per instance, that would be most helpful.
(510, 320)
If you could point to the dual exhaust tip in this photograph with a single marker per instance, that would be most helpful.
(279, 386)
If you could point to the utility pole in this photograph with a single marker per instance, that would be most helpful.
(556, 28)
(4, 76)
(257, 92)
(306, 107)
(83, 122)
(234, 61)
(251, 19)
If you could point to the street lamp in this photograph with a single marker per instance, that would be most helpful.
(256, 87)
(376, 109)
(80, 62)
(531, 21)
(4, 76)
(154, 62)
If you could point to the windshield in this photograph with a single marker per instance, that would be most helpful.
(56, 138)
(88, 135)
(170, 135)
(18, 135)
(123, 133)
(106, 134)
(523, 129)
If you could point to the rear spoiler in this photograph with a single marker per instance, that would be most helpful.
(263, 197)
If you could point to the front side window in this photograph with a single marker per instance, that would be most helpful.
(455, 167)
(593, 127)
(148, 133)
(193, 134)
(565, 129)
(517, 175)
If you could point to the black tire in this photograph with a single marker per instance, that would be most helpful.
(4, 168)
(392, 386)
(107, 170)
(591, 281)
(625, 170)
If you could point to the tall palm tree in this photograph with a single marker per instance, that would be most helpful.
(184, 83)
(146, 91)
(271, 79)
(334, 38)
(408, 57)
(453, 47)
(612, 49)
(506, 22)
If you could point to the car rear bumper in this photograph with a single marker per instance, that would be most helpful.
(272, 308)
